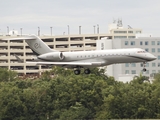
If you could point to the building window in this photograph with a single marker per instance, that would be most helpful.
(141, 43)
(153, 42)
(119, 37)
(120, 31)
(146, 42)
(153, 64)
(131, 36)
(147, 64)
(158, 64)
(126, 64)
(133, 64)
(126, 43)
(146, 49)
(153, 50)
(158, 49)
(153, 71)
(130, 31)
(147, 71)
(158, 57)
(126, 71)
(158, 42)
(133, 72)
(132, 42)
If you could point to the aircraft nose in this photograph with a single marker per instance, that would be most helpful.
(152, 57)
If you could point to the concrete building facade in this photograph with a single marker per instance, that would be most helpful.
(119, 71)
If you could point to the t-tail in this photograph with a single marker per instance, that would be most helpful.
(36, 44)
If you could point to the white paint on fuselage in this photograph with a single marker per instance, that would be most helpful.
(101, 57)
(109, 56)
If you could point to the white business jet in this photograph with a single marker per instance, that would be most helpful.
(84, 59)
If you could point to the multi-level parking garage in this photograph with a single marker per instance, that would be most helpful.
(8, 49)
(81, 42)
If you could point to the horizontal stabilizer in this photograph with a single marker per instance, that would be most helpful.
(19, 60)
(67, 63)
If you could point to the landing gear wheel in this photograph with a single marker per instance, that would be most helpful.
(144, 70)
(77, 72)
(87, 71)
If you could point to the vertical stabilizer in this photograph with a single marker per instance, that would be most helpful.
(38, 46)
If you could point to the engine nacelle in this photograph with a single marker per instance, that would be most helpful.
(52, 56)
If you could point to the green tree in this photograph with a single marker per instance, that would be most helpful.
(140, 79)
(68, 96)
(66, 92)
(7, 75)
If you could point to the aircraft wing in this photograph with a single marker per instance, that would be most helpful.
(67, 63)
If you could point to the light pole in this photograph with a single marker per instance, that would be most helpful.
(68, 29)
(21, 31)
(8, 30)
(38, 31)
(51, 31)
(79, 29)
(94, 29)
(97, 28)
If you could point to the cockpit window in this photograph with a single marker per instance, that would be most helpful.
(141, 51)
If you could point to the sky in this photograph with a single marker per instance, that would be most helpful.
(59, 14)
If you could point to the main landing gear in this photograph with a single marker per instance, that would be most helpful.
(87, 71)
(78, 71)
(144, 65)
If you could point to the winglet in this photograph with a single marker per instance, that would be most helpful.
(19, 60)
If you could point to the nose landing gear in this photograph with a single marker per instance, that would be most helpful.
(144, 69)
(144, 65)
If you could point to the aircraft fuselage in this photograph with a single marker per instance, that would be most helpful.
(105, 56)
